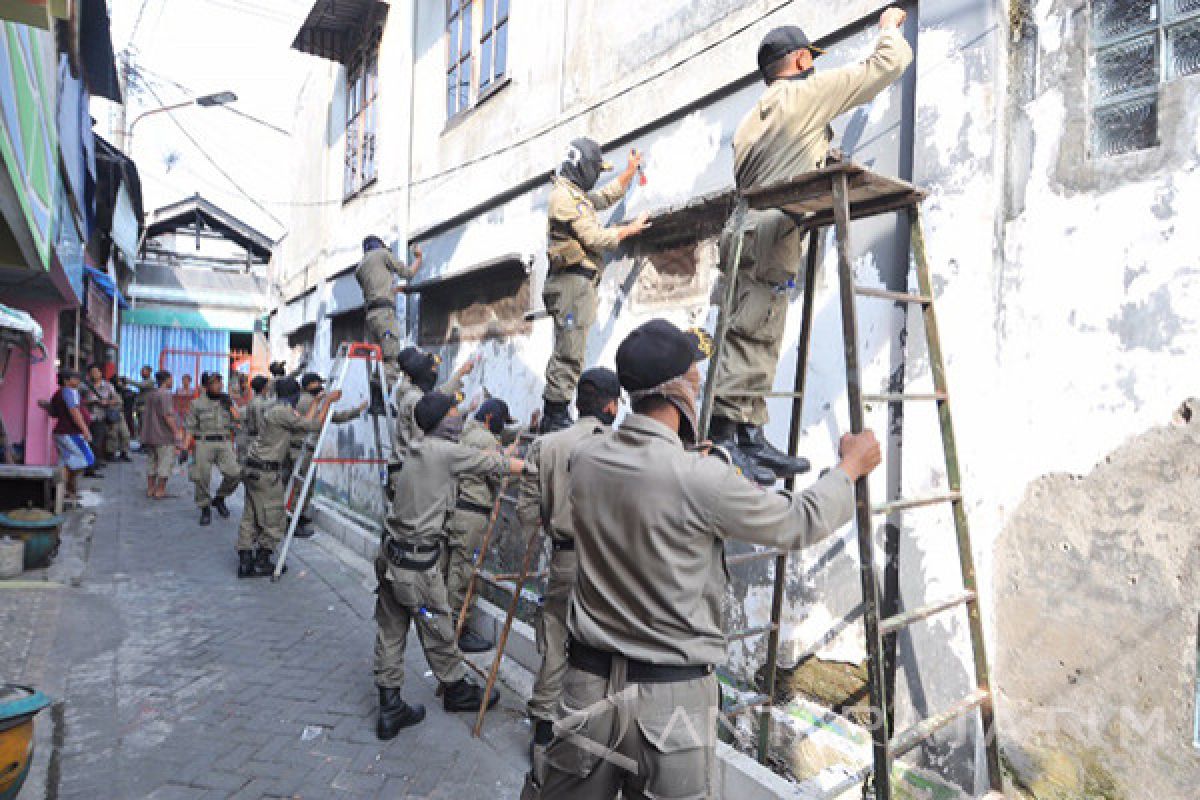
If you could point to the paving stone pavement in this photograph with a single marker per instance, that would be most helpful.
(178, 680)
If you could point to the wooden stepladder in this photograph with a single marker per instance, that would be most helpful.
(834, 196)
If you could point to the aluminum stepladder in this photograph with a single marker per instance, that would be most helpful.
(833, 196)
(511, 583)
(300, 483)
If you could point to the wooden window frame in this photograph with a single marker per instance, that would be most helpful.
(360, 168)
(468, 46)
(491, 33)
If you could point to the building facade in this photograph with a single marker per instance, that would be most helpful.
(1057, 144)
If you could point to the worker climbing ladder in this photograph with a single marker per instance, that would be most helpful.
(300, 483)
(834, 196)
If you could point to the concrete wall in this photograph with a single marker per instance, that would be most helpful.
(1065, 284)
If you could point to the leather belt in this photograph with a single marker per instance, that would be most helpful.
(599, 663)
(562, 544)
(583, 272)
(266, 466)
(375, 305)
(411, 557)
(467, 505)
(214, 437)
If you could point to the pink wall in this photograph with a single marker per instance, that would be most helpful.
(26, 383)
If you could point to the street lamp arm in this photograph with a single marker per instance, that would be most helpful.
(144, 114)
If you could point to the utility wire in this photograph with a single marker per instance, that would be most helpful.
(225, 107)
(212, 161)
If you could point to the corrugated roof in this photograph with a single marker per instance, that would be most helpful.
(335, 28)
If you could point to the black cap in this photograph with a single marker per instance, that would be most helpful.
(286, 387)
(258, 383)
(406, 356)
(207, 377)
(497, 408)
(657, 351)
(419, 363)
(432, 408)
(372, 242)
(310, 377)
(603, 380)
(778, 43)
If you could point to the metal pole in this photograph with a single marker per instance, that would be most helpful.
(862, 504)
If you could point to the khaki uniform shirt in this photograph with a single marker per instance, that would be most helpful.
(407, 430)
(651, 520)
(787, 133)
(432, 471)
(545, 497)
(208, 417)
(571, 217)
(280, 424)
(477, 489)
(252, 421)
(374, 275)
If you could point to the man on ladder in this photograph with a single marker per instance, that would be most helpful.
(787, 133)
(645, 617)
(312, 386)
(412, 590)
(466, 522)
(375, 276)
(545, 500)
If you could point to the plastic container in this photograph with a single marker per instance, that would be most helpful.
(18, 706)
(12, 557)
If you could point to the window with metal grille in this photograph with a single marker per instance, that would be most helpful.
(459, 36)
(362, 91)
(1137, 45)
(493, 43)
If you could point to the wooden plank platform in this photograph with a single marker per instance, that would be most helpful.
(810, 195)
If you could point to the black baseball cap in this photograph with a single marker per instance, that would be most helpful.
(780, 42)
(310, 377)
(497, 408)
(432, 408)
(657, 351)
(419, 363)
(406, 356)
(603, 380)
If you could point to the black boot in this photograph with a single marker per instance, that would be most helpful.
(304, 529)
(723, 433)
(222, 509)
(263, 565)
(206, 516)
(555, 417)
(543, 734)
(753, 442)
(471, 642)
(465, 696)
(395, 714)
(245, 564)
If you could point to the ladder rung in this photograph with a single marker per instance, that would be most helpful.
(917, 502)
(757, 630)
(899, 297)
(474, 667)
(754, 702)
(908, 739)
(904, 398)
(756, 555)
(898, 621)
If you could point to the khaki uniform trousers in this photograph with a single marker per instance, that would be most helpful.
(264, 522)
(750, 354)
(118, 437)
(464, 537)
(221, 456)
(647, 740)
(383, 330)
(571, 302)
(417, 597)
(552, 635)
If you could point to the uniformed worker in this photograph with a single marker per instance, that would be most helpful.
(411, 586)
(422, 370)
(264, 519)
(312, 386)
(210, 423)
(576, 244)
(786, 134)
(466, 522)
(650, 520)
(376, 276)
(545, 500)
(252, 418)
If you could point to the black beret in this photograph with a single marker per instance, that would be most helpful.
(657, 351)
(603, 380)
(432, 408)
(497, 408)
(780, 42)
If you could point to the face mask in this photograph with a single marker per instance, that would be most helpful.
(607, 417)
(496, 426)
(450, 428)
(314, 392)
(580, 169)
(215, 393)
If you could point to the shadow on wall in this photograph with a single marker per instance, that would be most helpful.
(1097, 587)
